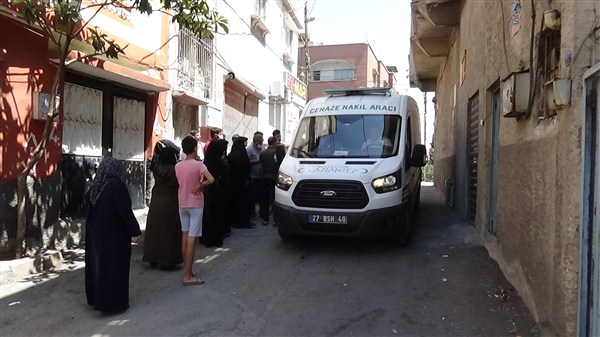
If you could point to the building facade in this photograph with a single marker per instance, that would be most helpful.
(107, 107)
(347, 66)
(169, 82)
(516, 142)
(255, 67)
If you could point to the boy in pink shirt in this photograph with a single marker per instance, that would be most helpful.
(192, 177)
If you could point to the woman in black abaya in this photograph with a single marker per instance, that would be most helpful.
(162, 238)
(110, 228)
(239, 166)
(215, 221)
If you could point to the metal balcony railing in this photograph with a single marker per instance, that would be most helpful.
(195, 64)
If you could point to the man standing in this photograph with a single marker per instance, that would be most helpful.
(193, 177)
(267, 187)
(279, 148)
(199, 153)
(253, 150)
(215, 133)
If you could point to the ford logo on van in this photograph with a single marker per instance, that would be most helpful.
(328, 193)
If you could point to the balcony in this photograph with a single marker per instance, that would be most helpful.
(433, 23)
(194, 69)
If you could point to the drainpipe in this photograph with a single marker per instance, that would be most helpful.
(551, 16)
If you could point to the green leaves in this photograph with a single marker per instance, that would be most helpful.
(64, 16)
(196, 16)
(102, 44)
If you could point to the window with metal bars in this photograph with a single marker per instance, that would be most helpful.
(195, 63)
(548, 67)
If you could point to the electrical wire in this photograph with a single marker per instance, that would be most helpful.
(251, 29)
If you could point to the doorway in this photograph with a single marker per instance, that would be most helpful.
(472, 155)
(494, 160)
(589, 289)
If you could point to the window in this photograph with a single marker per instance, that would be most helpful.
(333, 75)
(289, 38)
(261, 8)
(548, 67)
(408, 145)
(348, 136)
(375, 78)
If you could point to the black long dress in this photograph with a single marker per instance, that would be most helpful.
(216, 220)
(110, 225)
(239, 166)
(162, 238)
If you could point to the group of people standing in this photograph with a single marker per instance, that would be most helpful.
(198, 196)
(242, 178)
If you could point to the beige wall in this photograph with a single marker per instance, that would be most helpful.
(539, 164)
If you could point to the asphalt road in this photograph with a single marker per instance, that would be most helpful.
(442, 284)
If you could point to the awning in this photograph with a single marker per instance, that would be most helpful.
(188, 98)
(145, 80)
(247, 87)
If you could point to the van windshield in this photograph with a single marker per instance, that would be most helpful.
(347, 136)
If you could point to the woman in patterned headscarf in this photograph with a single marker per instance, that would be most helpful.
(110, 228)
(162, 238)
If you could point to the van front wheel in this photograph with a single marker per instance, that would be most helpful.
(283, 235)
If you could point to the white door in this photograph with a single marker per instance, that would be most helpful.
(128, 145)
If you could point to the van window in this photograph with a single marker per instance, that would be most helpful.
(347, 136)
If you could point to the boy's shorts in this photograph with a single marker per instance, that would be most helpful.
(191, 221)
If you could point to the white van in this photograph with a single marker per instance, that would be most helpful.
(353, 168)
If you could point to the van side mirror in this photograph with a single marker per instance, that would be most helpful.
(419, 156)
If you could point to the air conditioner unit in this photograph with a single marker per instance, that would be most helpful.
(558, 93)
(277, 90)
(515, 94)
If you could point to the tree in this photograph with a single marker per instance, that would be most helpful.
(61, 23)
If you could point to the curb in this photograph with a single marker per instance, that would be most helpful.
(20, 268)
(13, 270)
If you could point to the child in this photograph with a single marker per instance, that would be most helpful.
(193, 177)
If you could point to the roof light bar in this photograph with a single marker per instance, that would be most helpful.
(357, 91)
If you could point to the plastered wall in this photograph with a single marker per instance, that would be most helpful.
(538, 196)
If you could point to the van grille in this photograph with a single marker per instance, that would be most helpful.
(317, 194)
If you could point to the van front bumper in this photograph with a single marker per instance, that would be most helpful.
(369, 224)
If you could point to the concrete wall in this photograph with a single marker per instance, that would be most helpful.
(538, 196)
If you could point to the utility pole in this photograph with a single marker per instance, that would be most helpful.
(306, 54)
(425, 117)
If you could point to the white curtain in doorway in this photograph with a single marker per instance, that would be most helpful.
(128, 129)
(82, 128)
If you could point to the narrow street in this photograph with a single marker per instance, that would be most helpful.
(442, 284)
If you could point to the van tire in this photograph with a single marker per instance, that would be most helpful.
(402, 237)
(418, 200)
(283, 235)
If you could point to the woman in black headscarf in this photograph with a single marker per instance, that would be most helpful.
(162, 239)
(215, 221)
(239, 166)
(110, 228)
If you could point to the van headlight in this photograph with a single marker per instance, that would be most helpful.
(387, 183)
(284, 181)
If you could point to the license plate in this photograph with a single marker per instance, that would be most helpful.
(324, 218)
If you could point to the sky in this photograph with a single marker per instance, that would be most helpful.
(384, 24)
